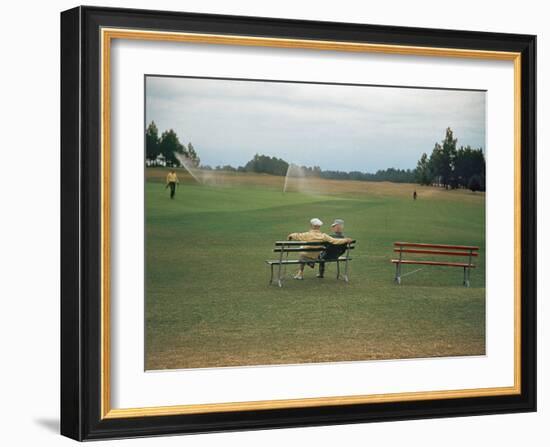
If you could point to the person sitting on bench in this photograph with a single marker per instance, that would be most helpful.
(332, 251)
(314, 235)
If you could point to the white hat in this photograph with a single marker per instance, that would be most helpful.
(316, 222)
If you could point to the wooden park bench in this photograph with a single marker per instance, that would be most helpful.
(285, 248)
(432, 250)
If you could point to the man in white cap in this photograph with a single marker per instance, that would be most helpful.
(314, 235)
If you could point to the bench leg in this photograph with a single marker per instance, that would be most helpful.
(279, 277)
(337, 269)
(466, 277)
(346, 278)
(271, 277)
(398, 273)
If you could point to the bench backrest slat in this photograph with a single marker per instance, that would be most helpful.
(302, 243)
(436, 252)
(304, 249)
(288, 247)
(444, 246)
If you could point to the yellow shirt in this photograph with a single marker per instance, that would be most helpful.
(315, 236)
(172, 178)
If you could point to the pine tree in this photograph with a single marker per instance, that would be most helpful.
(192, 154)
(170, 146)
(152, 142)
(423, 170)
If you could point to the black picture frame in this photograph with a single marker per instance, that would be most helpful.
(81, 223)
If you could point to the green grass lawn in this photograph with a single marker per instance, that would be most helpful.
(208, 302)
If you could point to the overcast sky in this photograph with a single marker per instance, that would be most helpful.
(336, 127)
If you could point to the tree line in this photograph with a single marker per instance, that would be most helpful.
(264, 164)
(382, 175)
(167, 145)
(261, 164)
(447, 166)
(452, 167)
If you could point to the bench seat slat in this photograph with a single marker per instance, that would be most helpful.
(451, 247)
(450, 264)
(435, 252)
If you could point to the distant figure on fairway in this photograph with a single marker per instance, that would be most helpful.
(171, 182)
(313, 235)
(332, 251)
(414, 195)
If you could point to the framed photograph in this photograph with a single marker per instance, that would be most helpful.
(277, 223)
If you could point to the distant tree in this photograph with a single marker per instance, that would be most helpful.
(309, 171)
(462, 165)
(442, 160)
(266, 165)
(449, 153)
(170, 145)
(469, 162)
(449, 167)
(479, 167)
(437, 165)
(474, 183)
(152, 141)
(192, 154)
(423, 173)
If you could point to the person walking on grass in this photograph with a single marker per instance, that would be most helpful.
(332, 251)
(171, 182)
(314, 235)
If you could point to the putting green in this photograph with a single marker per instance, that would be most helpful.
(208, 302)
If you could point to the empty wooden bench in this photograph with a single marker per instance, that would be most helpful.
(286, 248)
(437, 251)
